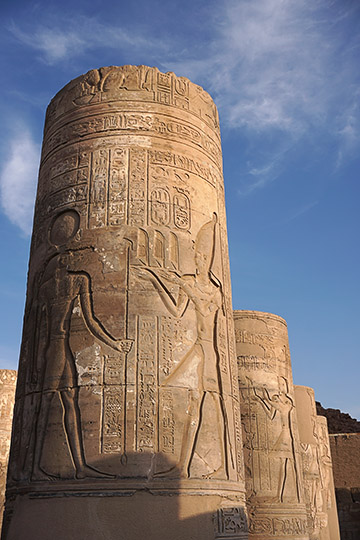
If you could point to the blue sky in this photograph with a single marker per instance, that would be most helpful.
(285, 76)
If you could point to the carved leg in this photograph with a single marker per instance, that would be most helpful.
(191, 429)
(72, 424)
(37, 472)
(221, 472)
(282, 478)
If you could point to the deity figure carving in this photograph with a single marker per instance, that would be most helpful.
(60, 285)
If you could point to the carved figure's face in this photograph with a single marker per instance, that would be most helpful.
(202, 262)
(64, 227)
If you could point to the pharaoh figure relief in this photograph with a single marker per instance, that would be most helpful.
(198, 370)
(127, 376)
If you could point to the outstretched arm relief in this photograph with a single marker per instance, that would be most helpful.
(176, 306)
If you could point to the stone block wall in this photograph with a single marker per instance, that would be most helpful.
(345, 451)
(7, 396)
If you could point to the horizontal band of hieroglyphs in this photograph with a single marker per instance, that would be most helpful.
(61, 164)
(293, 526)
(160, 125)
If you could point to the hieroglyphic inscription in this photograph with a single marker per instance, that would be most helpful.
(167, 339)
(138, 187)
(278, 527)
(147, 384)
(238, 438)
(113, 421)
(160, 206)
(169, 201)
(119, 83)
(167, 423)
(181, 95)
(117, 205)
(98, 178)
(66, 180)
(98, 189)
(222, 345)
(148, 123)
(107, 201)
(172, 90)
(251, 362)
(112, 439)
(186, 163)
(181, 211)
(231, 523)
(163, 93)
(114, 370)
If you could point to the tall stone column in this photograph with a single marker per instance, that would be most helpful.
(317, 468)
(273, 474)
(332, 530)
(7, 397)
(127, 417)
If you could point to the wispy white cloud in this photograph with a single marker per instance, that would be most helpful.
(276, 68)
(300, 211)
(284, 68)
(52, 43)
(18, 180)
(64, 39)
(276, 64)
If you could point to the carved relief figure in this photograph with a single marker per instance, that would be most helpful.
(198, 370)
(60, 286)
(325, 462)
(312, 488)
(281, 405)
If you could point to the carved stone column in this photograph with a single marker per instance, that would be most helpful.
(273, 475)
(7, 397)
(317, 468)
(127, 416)
(332, 531)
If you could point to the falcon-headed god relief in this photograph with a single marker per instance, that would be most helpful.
(60, 285)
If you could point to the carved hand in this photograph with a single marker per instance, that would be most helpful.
(124, 345)
(142, 273)
(165, 274)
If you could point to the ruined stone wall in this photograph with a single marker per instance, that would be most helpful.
(7, 397)
(345, 451)
(338, 422)
(127, 401)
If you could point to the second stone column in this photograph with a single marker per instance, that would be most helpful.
(274, 480)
